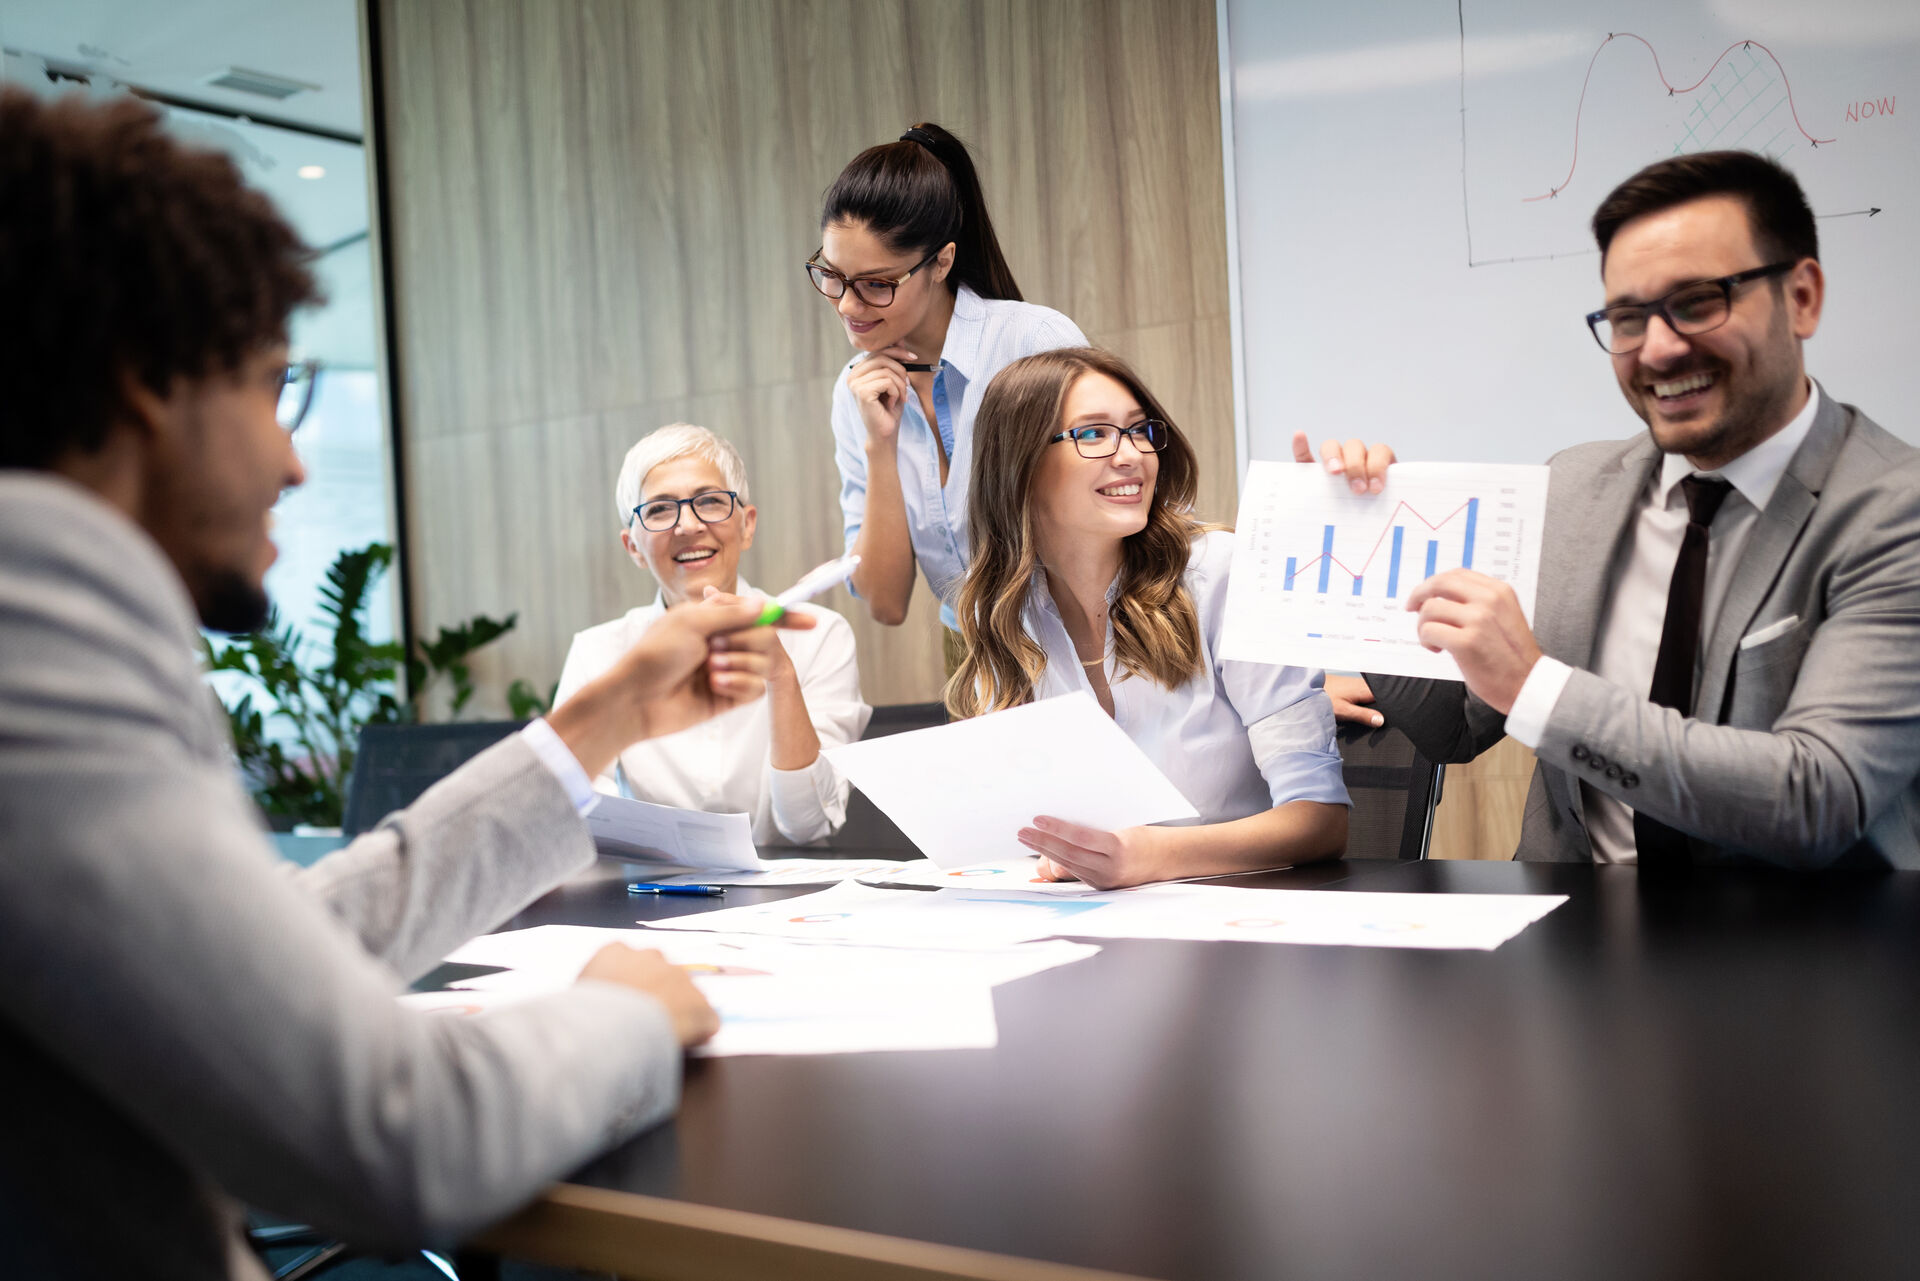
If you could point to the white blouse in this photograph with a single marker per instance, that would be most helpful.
(1237, 738)
(722, 765)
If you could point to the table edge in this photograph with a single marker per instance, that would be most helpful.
(648, 1238)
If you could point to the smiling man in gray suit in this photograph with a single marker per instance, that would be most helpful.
(184, 1020)
(1726, 660)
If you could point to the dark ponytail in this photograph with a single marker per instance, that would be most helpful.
(916, 195)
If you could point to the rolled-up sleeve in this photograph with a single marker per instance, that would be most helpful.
(1289, 721)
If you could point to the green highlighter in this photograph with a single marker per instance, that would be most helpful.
(811, 584)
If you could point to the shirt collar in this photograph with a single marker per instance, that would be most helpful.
(1757, 472)
(965, 330)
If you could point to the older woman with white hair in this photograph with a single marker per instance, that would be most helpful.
(685, 517)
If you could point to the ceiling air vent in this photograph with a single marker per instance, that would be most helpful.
(260, 83)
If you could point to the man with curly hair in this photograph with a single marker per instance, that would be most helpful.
(183, 1023)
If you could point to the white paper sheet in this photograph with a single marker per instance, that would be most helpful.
(958, 918)
(960, 792)
(1352, 918)
(1354, 558)
(948, 918)
(780, 997)
(788, 871)
(647, 833)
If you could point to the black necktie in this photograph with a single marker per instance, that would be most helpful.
(1658, 844)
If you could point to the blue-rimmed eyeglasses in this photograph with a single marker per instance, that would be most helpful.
(662, 514)
(1693, 308)
(296, 392)
(1102, 440)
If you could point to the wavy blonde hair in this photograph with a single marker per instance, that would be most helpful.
(1156, 630)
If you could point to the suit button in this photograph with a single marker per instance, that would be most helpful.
(1613, 770)
(1579, 752)
(1596, 761)
(1629, 779)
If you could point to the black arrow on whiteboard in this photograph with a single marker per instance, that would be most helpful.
(1852, 213)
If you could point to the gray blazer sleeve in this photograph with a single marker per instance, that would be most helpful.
(152, 943)
(1837, 758)
(1445, 722)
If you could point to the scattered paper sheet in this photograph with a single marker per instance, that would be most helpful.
(1321, 574)
(647, 833)
(788, 871)
(1060, 756)
(779, 997)
(1351, 918)
(958, 918)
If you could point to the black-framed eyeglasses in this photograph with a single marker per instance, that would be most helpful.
(1693, 308)
(296, 393)
(662, 514)
(1102, 440)
(875, 291)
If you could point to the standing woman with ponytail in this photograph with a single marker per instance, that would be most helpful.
(909, 259)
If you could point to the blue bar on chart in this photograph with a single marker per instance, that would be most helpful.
(1473, 518)
(1433, 557)
(1356, 584)
(1326, 559)
(1292, 561)
(1393, 566)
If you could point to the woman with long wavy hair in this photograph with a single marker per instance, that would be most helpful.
(1091, 573)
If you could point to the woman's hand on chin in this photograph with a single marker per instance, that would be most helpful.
(1104, 860)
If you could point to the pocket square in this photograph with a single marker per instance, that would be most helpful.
(1770, 631)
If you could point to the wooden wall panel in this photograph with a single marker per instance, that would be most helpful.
(600, 210)
(1481, 805)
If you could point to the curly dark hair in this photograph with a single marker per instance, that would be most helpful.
(124, 252)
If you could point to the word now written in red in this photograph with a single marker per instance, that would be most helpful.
(1869, 108)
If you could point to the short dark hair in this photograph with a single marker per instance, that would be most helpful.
(1777, 209)
(124, 252)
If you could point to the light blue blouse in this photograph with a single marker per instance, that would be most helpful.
(1236, 739)
(984, 337)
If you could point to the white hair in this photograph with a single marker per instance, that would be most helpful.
(677, 440)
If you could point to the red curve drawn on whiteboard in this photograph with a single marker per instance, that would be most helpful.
(1671, 89)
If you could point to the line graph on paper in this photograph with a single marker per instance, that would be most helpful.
(1321, 575)
(1634, 81)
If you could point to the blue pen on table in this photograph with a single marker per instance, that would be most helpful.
(655, 887)
(811, 584)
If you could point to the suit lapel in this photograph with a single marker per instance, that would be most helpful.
(1773, 539)
(1578, 557)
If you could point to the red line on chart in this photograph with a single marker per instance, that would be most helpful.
(1671, 90)
(1384, 531)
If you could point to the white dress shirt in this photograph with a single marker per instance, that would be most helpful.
(1635, 611)
(1237, 738)
(723, 765)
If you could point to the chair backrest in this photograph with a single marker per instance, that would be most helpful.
(1394, 790)
(398, 762)
(867, 829)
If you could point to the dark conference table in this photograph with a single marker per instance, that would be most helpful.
(1710, 1074)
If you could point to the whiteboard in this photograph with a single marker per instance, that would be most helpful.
(1411, 183)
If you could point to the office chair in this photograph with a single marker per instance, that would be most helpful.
(1394, 790)
(398, 762)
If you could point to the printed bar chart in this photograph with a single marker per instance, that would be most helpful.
(1321, 575)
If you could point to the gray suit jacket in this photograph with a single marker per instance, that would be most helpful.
(1805, 750)
(184, 1021)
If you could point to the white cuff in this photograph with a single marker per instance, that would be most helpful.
(558, 757)
(804, 808)
(1527, 721)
